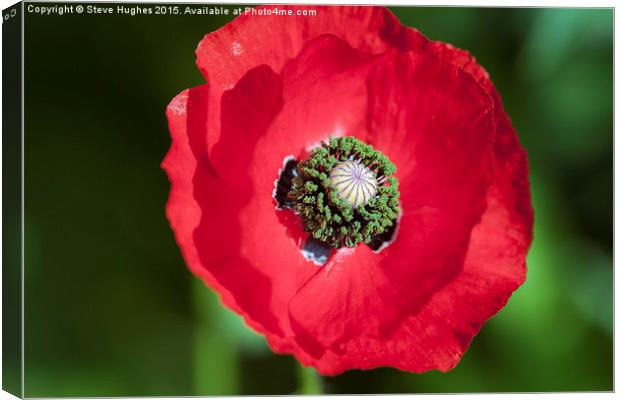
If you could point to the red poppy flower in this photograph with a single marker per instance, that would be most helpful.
(413, 292)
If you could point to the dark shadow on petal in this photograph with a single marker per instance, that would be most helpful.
(293, 225)
(218, 236)
(246, 112)
(309, 344)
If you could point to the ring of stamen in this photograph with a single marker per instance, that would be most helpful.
(345, 193)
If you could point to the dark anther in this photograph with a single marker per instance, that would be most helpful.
(316, 251)
(384, 238)
(284, 184)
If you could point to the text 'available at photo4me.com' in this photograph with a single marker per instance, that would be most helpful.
(161, 9)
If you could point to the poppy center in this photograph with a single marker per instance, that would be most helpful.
(344, 192)
(353, 182)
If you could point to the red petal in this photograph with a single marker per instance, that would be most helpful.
(494, 267)
(326, 69)
(323, 95)
(202, 211)
(511, 166)
(434, 336)
(180, 164)
(267, 239)
(444, 126)
(437, 336)
(247, 249)
(225, 55)
(247, 111)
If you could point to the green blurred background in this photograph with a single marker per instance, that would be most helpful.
(111, 309)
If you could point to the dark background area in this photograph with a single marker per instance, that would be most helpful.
(111, 309)
(11, 200)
